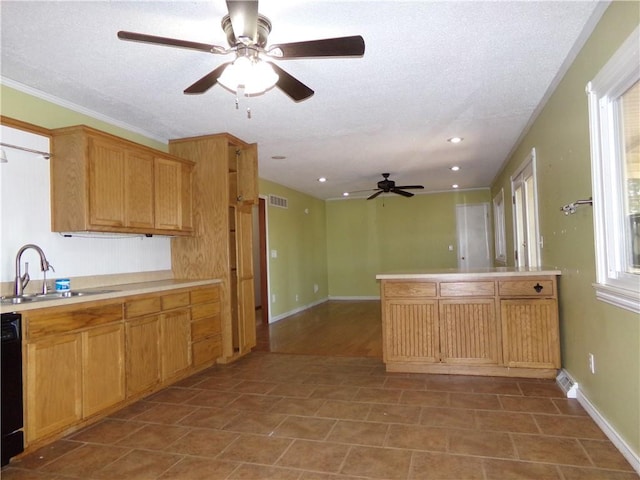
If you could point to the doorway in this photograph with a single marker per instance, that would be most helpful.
(472, 227)
(260, 269)
(525, 214)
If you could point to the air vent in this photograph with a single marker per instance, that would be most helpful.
(280, 202)
(567, 384)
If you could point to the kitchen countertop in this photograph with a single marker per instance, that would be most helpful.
(109, 292)
(454, 274)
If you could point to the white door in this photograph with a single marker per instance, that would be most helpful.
(525, 214)
(472, 225)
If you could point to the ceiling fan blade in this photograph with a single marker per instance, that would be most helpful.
(290, 85)
(208, 81)
(402, 192)
(371, 197)
(328, 47)
(169, 42)
(410, 187)
(244, 19)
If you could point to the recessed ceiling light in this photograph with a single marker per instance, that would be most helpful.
(322, 179)
(278, 157)
(345, 194)
(455, 185)
(455, 168)
(454, 139)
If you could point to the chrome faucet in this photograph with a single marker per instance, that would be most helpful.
(21, 280)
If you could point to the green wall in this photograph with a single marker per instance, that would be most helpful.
(560, 136)
(367, 237)
(21, 106)
(299, 236)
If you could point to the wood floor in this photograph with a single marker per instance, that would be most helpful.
(333, 328)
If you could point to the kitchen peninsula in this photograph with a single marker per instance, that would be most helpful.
(498, 321)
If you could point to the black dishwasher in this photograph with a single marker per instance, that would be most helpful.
(11, 393)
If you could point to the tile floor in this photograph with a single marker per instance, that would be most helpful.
(279, 416)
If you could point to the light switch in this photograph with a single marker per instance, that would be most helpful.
(274, 254)
(451, 248)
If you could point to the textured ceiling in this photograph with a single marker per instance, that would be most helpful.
(431, 70)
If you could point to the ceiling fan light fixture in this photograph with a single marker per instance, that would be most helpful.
(252, 74)
(455, 168)
(454, 140)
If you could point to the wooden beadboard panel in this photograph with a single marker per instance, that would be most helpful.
(530, 333)
(468, 331)
(413, 331)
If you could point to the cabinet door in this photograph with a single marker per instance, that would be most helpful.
(139, 185)
(410, 330)
(173, 194)
(530, 333)
(246, 310)
(168, 176)
(106, 183)
(143, 354)
(247, 175)
(469, 332)
(102, 368)
(54, 385)
(175, 340)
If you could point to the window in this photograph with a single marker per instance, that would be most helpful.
(525, 213)
(498, 227)
(614, 122)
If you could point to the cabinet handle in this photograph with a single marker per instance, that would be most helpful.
(537, 287)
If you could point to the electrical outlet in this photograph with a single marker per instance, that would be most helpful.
(273, 298)
(297, 297)
(592, 363)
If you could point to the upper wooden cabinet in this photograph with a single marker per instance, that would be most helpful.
(103, 183)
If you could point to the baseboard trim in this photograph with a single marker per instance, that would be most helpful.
(296, 310)
(624, 448)
(331, 297)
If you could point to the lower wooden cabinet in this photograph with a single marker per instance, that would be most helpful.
(175, 343)
(206, 326)
(53, 385)
(102, 368)
(484, 325)
(529, 333)
(143, 354)
(85, 361)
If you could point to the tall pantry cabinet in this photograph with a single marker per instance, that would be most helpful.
(225, 188)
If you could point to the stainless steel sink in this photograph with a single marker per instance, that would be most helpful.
(40, 297)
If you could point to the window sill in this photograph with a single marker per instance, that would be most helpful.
(627, 299)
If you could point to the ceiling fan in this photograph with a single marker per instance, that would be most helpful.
(247, 32)
(386, 186)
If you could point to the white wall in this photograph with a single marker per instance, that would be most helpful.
(26, 218)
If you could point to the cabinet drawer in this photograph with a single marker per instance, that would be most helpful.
(56, 321)
(202, 295)
(143, 306)
(467, 289)
(409, 289)
(207, 350)
(205, 328)
(175, 300)
(205, 310)
(527, 288)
